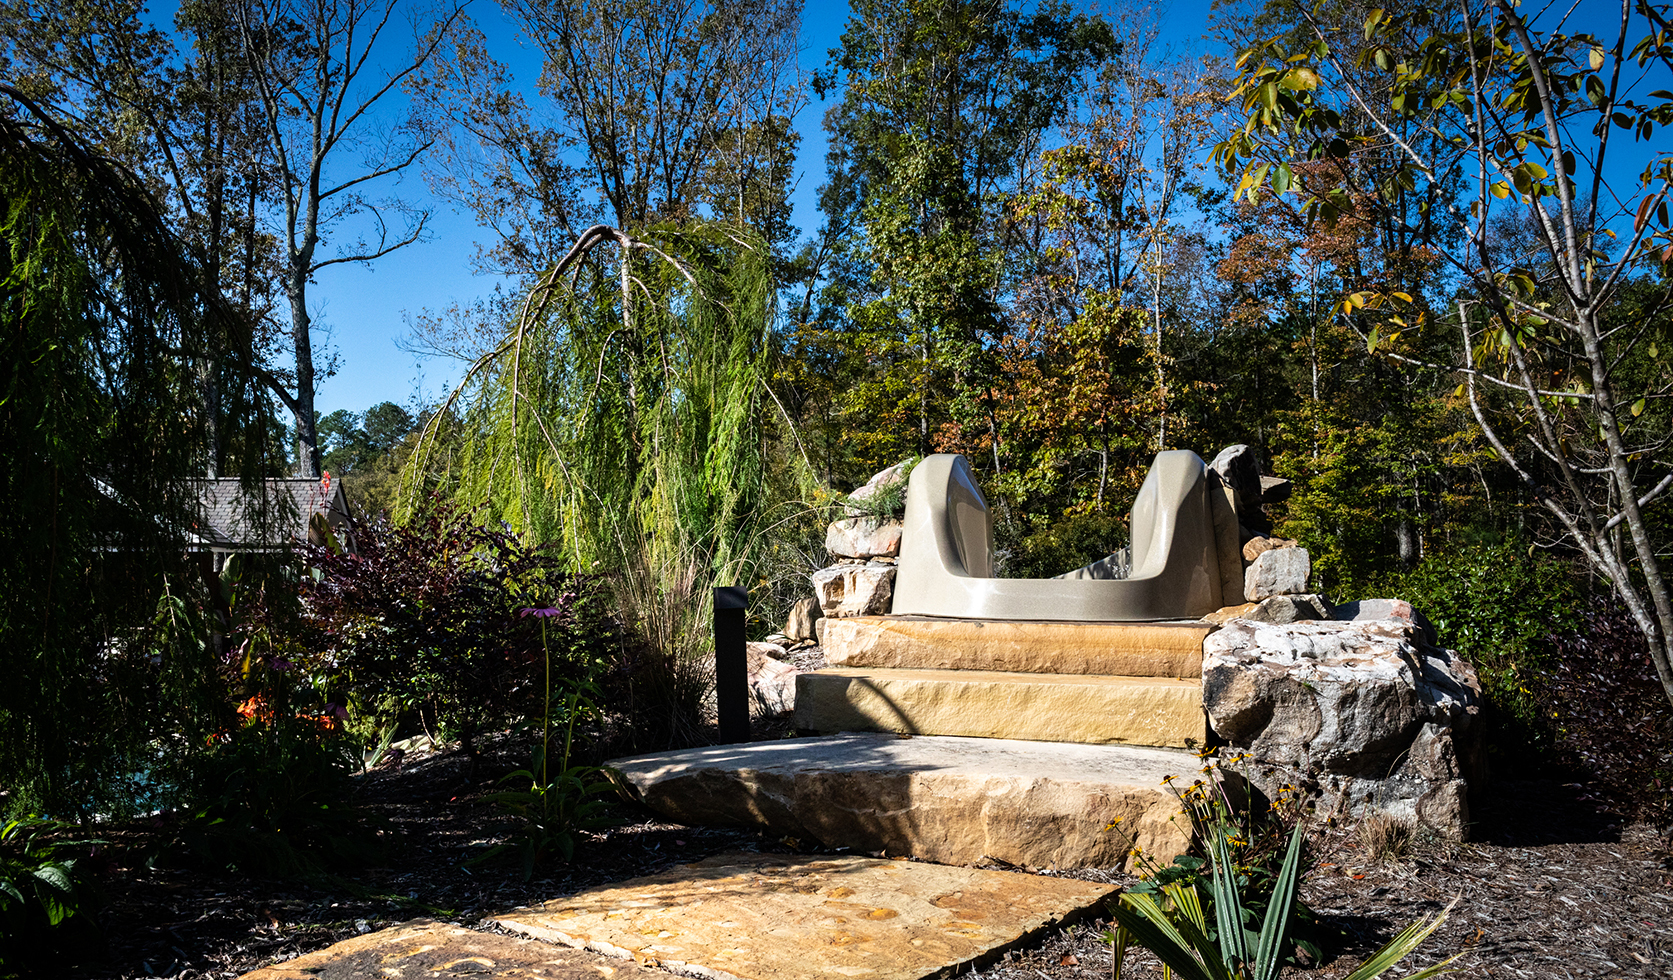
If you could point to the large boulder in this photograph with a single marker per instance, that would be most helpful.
(1367, 713)
(855, 590)
(863, 537)
(1240, 470)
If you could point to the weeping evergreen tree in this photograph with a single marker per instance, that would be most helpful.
(102, 428)
(626, 417)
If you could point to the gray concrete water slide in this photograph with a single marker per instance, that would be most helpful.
(946, 552)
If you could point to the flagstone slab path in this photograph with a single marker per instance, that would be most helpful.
(770, 917)
(427, 950)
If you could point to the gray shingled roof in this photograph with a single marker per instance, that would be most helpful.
(231, 521)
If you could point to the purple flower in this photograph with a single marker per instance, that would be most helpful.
(545, 613)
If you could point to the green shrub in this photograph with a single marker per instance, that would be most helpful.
(46, 897)
(428, 616)
(1498, 606)
(271, 798)
(1047, 547)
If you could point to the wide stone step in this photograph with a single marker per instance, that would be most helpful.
(1121, 649)
(946, 799)
(1089, 708)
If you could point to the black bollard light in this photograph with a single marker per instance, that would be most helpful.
(731, 663)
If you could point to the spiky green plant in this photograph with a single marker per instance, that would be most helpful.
(1176, 928)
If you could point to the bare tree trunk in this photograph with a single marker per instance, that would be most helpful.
(307, 440)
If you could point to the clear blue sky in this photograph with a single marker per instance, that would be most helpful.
(366, 310)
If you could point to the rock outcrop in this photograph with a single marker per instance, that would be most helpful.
(1368, 713)
(864, 547)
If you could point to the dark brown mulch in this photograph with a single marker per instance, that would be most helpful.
(187, 924)
(1551, 888)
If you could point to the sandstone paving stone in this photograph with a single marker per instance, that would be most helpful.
(770, 917)
(427, 950)
(947, 799)
(1127, 649)
(1091, 708)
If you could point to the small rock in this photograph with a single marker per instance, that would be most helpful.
(799, 626)
(1228, 613)
(863, 537)
(1260, 545)
(758, 648)
(772, 682)
(1280, 609)
(1398, 610)
(1281, 571)
(855, 590)
(1274, 489)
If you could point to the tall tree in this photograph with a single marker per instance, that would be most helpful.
(179, 108)
(329, 75)
(1529, 115)
(939, 103)
(649, 111)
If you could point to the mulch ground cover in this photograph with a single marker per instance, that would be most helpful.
(1552, 886)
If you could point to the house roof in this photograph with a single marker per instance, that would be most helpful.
(232, 520)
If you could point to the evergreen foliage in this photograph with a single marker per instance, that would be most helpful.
(103, 426)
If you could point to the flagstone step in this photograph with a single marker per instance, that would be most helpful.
(953, 800)
(776, 917)
(1089, 708)
(1120, 649)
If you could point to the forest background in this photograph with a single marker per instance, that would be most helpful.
(1392, 253)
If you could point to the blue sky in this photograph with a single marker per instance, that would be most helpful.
(365, 310)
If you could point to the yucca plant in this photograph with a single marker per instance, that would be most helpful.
(1177, 930)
